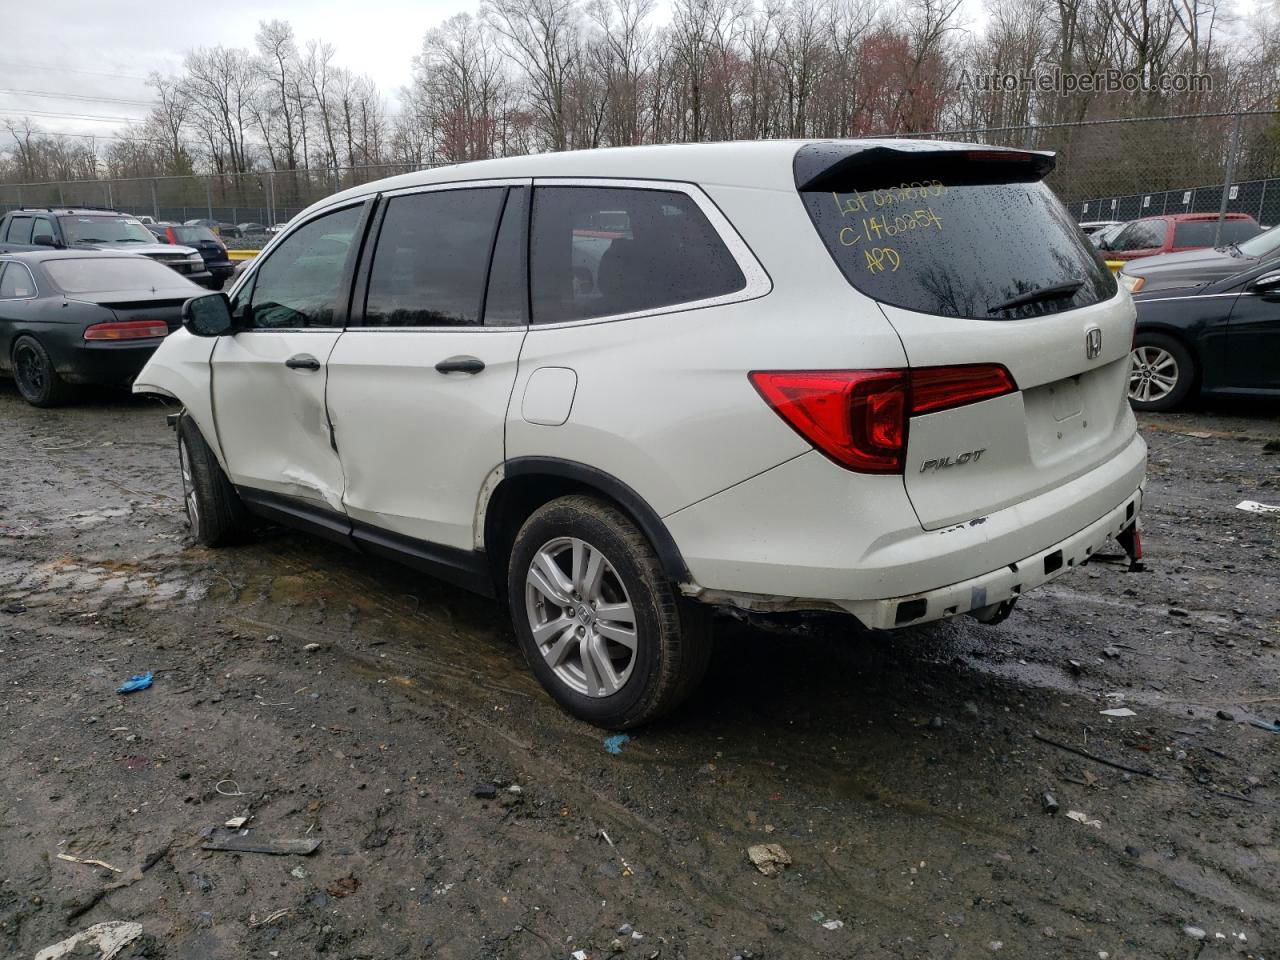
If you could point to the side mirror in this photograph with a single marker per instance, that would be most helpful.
(1268, 285)
(208, 315)
(44, 240)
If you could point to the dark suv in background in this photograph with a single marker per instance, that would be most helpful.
(205, 242)
(86, 228)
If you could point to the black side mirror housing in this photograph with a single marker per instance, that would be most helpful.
(208, 315)
(44, 240)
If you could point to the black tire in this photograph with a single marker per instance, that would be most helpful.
(1155, 359)
(672, 640)
(214, 510)
(33, 372)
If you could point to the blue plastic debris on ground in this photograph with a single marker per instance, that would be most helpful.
(1263, 725)
(140, 682)
(614, 744)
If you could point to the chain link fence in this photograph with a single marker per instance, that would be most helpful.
(1106, 170)
(1126, 169)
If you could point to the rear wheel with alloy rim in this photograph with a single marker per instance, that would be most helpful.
(598, 620)
(1161, 372)
(33, 372)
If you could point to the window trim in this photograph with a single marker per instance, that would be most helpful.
(342, 308)
(34, 286)
(360, 295)
(758, 282)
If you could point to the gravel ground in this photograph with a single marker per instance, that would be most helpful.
(902, 774)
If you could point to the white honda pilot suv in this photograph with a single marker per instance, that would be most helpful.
(616, 388)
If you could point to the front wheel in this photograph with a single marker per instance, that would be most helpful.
(1161, 372)
(598, 620)
(214, 510)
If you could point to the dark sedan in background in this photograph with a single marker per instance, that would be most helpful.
(205, 242)
(94, 317)
(1216, 337)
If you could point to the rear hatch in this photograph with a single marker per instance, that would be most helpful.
(978, 267)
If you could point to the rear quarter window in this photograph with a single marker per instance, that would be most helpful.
(958, 249)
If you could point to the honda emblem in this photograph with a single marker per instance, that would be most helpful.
(1092, 343)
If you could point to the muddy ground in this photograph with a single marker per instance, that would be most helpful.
(900, 773)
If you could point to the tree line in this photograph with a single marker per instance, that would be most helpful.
(522, 76)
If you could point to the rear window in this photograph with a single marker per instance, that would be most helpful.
(192, 234)
(1201, 233)
(955, 246)
(99, 275)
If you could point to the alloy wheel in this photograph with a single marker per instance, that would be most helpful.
(581, 617)
(188, 486)
(29, 369)
(1153, 374)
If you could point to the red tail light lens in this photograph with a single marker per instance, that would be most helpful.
(941, 388)
(126, 330)
(856, 417)
(859, 418)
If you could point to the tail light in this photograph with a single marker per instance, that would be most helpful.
(127, 330)
(860, 418)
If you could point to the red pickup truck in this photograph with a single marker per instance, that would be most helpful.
(1181, 231)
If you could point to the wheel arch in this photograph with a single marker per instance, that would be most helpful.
(529, 482)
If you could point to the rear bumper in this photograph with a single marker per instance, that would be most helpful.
(106, 363)
(1007, 583)
(809, 535)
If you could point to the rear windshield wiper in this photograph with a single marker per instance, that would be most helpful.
(1053, 292)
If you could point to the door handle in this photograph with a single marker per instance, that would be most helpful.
(302, 361)
(460, 364)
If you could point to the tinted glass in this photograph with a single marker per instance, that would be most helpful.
(297, 285)
(192, 235)
(19, 230)
(601, 251)
(430, 262)
(99, 275)
(91, 229)
(1141, 235)
(41, 228)
(959, 250)
(1201, 233)
(15, 282)
(507, 302)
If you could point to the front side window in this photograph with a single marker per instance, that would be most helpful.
(1141, 235)
(16, 282)
(297, 285)
(604, 251)
(41, 229)
(19, 230)
(432, 257)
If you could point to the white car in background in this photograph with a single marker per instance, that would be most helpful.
(885, 378)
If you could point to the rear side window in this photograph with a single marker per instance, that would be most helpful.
(1141, 235)
(1201, 233)
(432, 257)
(964, 244)
(604, 251)
(19, 230)
(15, 282)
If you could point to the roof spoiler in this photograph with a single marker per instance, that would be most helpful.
(845, 165)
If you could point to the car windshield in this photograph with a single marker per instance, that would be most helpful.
(1264, 244)
(98, 229)
(98, 275)
(192, 234)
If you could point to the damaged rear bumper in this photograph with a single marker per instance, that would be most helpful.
(1005, 584)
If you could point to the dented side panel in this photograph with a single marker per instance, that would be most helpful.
(180, 369)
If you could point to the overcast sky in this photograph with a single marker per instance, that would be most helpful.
(116, 43)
